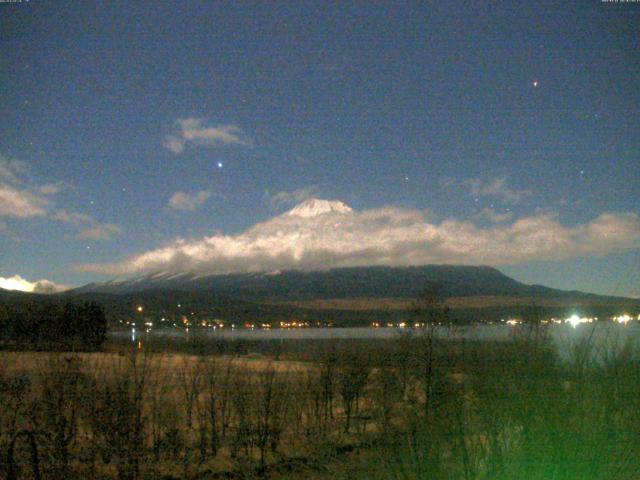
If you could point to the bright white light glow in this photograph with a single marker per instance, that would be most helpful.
(575, 320)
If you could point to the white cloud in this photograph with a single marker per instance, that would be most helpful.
(73, 218)
(49, 189)
(492, 216)
(187, 202)
(55, 188)
(495, 188)
(11, 171)
(289, 198)
(89, 228)
(339, 237)
(193, 130)
(41, 286)
(21, 198)
(21, 203)
(18, 198)
(173, 143)
(99, 231)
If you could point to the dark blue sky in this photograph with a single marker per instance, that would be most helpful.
(478, 112)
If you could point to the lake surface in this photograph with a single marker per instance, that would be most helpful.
(605, 336)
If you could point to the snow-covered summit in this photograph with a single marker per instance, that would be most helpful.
(313, 207)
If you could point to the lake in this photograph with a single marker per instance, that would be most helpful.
(606, 336)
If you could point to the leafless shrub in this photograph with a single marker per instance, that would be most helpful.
(190, 383)
(15, 391)
(272, 404)
(241, 398)
(353, 374)
(117, 419)
(388, 391)
(61, 388)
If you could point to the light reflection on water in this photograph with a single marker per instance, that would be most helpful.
(605, 336)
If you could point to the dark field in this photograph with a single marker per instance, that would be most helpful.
(412, 407)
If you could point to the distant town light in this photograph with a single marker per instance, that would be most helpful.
(140, 308)
(624, 318)
(575, 320)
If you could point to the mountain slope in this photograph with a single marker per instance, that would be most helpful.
(346, 296)
(373, 282)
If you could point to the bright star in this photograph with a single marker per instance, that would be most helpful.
(219, 164)
(535, 83)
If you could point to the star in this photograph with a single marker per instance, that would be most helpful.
(535, 83)
(219, 164)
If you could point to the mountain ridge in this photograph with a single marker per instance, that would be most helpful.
(353, 296)
(348, 282)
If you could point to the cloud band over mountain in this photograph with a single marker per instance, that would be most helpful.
(320, 234)
(20, 284)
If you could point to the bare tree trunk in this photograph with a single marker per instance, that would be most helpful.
(35, 461)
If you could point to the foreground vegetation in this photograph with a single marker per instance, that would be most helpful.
(409, 408)
(52, 325)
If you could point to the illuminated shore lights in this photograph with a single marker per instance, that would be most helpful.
(574, 320)
(624, 318)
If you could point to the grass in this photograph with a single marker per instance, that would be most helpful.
(409, 408)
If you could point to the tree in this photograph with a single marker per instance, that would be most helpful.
(61, 382)
(93, 325)
(431, 312)
(353, 373)
(44, 321)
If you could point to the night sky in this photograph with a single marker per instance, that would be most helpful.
(169, 136)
